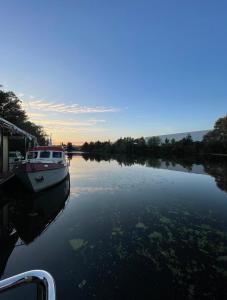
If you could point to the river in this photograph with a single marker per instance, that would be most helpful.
(122, 229)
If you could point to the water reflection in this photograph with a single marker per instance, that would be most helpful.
(213, 166)
(218, 169)
(160, 235)
(140, 232)
(25, 216)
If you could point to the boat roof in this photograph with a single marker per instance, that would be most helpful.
(47, 148)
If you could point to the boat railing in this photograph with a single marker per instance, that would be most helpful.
(45, 283)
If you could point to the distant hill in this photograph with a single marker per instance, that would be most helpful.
(196, 135)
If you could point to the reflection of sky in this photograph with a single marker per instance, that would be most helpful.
(109, 177)
(90, 71)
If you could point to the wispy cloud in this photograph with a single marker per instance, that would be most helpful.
(64, 108)
(35, 115)
(20, 95)
(76, 130)
(66, 124)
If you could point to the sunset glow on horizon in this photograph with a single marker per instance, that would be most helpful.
(66, 123)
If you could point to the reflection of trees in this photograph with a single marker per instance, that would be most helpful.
(96, 157)
(154, 162)
(69, 156)
(218, 169)
(130, 160)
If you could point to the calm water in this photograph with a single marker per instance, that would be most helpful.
(132, 229)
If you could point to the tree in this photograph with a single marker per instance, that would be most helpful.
(173, 141)
(154, 141)
(37, 131)
(219, 133)
(216, 139)
(140, 145)
(11, 110)
(187, 141)
(85, 147)
(69, 147)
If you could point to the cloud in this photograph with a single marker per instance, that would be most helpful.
(66, 128)
(19, 95)
(64, 108)
(36, 115)
(65, 124)
(75, 130)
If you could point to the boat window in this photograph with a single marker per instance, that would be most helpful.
(57, 154)
(44, 154)
(32, 155)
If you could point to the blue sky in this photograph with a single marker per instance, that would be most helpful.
(89, 70)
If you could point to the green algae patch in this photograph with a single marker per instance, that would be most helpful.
(155, 235)
(165, 220)
(120, 251)
(222, 258)
(221, 271)
(117, 231)
(206, 227)
(170, 236)
(141, 225)
(77, 244)
(82, 284)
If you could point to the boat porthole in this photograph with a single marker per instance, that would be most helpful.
(39, 178)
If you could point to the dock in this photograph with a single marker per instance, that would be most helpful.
(7, 131)
(4, 177)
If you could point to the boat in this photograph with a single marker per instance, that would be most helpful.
(43, 167)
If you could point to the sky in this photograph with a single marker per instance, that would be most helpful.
(91, 70)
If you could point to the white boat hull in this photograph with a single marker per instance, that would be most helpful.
(40, 180)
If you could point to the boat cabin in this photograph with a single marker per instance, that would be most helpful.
(46, 154)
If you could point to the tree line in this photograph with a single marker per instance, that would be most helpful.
(215, 141)
(12, 111)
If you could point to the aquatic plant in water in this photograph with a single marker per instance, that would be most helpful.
(141, 225)
(76, 244)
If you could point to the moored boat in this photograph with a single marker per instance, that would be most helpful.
(43, 167)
